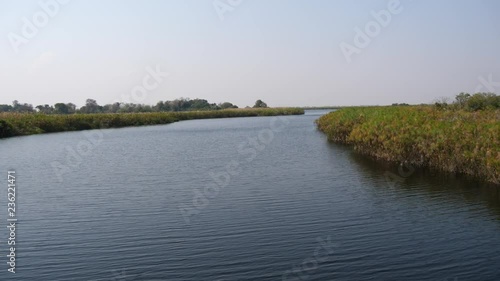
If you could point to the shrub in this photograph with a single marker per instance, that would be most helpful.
(478, 101)
(6, 129)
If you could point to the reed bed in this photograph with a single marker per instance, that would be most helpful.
(19, 124)
(456, 141)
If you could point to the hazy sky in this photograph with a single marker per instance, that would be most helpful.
(286, 52)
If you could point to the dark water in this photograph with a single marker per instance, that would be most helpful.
(273, 200)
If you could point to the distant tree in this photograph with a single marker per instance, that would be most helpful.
(6, 108)
(260, 104)
(127, 108)
(442, 103)
(199, 104)
(227, 105)
(61, 108)
(18, 107)
(46, 109)
(160, 106)
(91, 106)
(480, 101)
(177, 105)
(71, 108)
(115, 107)
(461, 99)
(144, 108)
(443, 100)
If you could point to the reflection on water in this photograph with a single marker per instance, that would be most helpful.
(437, 184)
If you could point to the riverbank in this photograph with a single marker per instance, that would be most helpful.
(455, 141)
(21, 124)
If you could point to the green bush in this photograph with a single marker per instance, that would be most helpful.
(478, 101)
(6, 129)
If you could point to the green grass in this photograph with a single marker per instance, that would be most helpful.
(455, 141)
(20, 124)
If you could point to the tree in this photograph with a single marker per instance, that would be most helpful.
(199, 104)
(461, 99)
(160, 106)
(5, 108)
(46, 109)
(115, 107)
(71, 108)
(175, 105)
(480, 101)
(17, 107)
(227, 105)
(260, 104)
(442, 103)
(91, 106)
(61, 108)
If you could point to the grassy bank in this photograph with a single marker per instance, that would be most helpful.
(19, 124)
(455, 141)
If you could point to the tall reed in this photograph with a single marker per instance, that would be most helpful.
(18, 124)
(455, 141)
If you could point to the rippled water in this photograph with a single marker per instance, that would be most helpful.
(145, 204)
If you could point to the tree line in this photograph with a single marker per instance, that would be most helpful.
(91, 106)
(475, 102)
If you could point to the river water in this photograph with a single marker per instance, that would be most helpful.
(261, 198)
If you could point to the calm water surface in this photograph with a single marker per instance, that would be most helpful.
(144, 204)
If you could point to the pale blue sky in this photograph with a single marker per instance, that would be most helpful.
(285, 52)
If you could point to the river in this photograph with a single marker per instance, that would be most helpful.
(260, 198)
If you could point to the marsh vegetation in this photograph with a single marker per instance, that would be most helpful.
(460, 138)
(17, 124)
